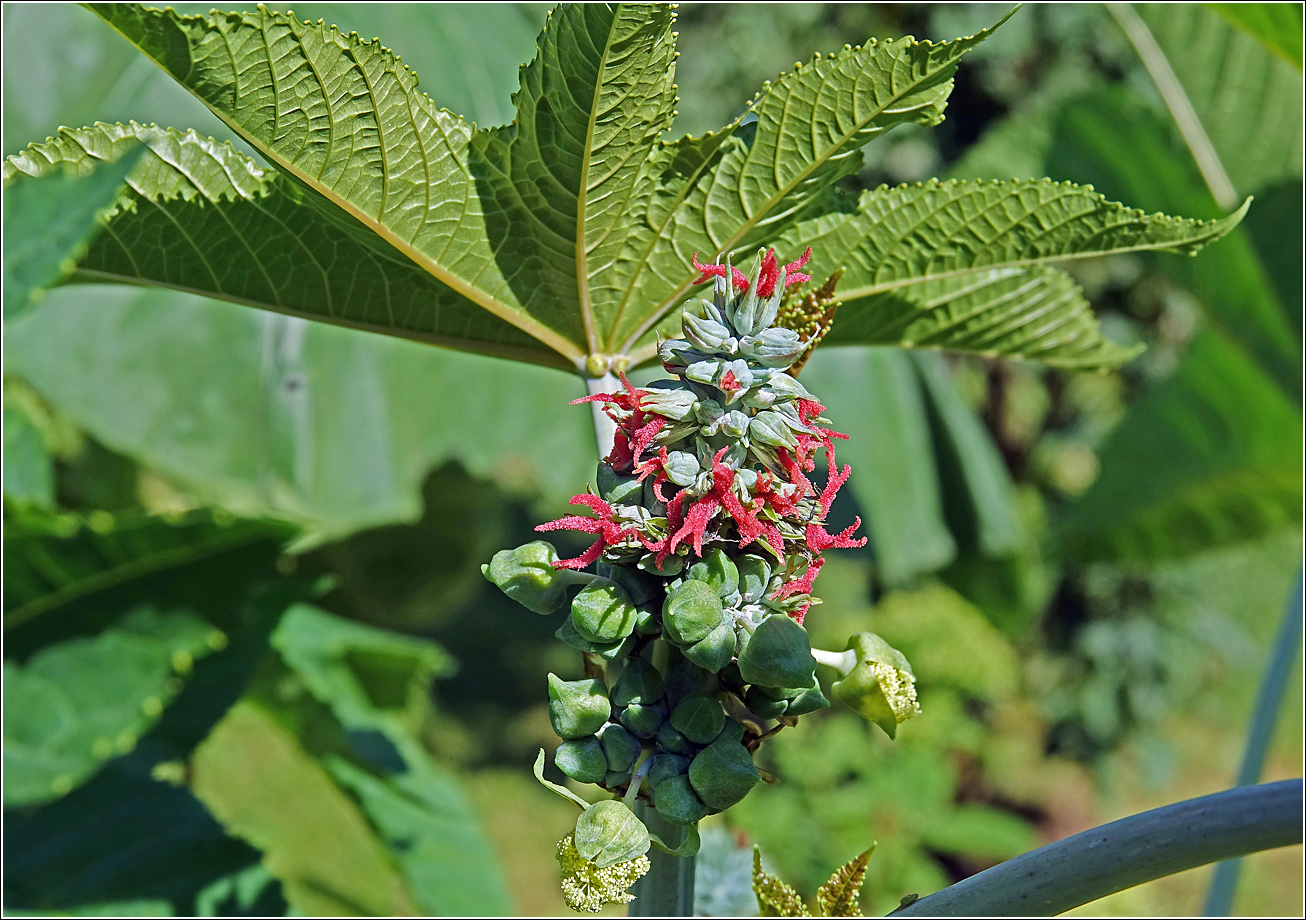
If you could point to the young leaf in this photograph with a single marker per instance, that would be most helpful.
(1038, 313)
(743, 186)
(934, 231)
(774, 897)
(839, 896)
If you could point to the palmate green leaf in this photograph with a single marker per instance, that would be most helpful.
(900, 239)
(510, 218)
(45, 229)
(52, 562)
(374, 681)
(874, 397)
(741, 187)
(74, 706)
(1277, 26)
(1231, 444)
(1125, 148)
(199, 216)
(271, 415)
(259, 782)
(1247, 98)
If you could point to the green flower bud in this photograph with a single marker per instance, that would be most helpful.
(769, 429)
(775, 347)
(718, 570)
(754, 576)
(528, 576)
(691, 611)
(618, 489)
(706, 334)
(699, 718)
(676, 801)
(682, 467)
(644, 719)
(668, 739)
(723, 773)
(715, 650)
(582, 759)
(608, 651)
(670, 402)
(620, 747)
(639, 682)
(881, 687)
(577, 707)
(603, 612)
(664, 767)
(608, 833)
(734, 424)
(779, 654)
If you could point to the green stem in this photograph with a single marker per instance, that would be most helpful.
(668, 888)
(1269, 703)
(605, 429)
(1124, 853)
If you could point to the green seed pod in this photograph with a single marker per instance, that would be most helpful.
(614, 778)
(620, 747)
(670, 567)
(881, 687)
(715, 650)
(760, 701)
(691, 611)
(577, 707)
(644, 719)
(603, 612)
(682, 467)
(676, 801)
(647, 621)
(699, 718)
(618, 489)
(668, 739)
(582, 759)
(528, 576)
(723, 773)
(641, 587)
(718, 570)
(754, 576)
(732, 731)
(639, 682)
(805, 701)
(683, 677)
(664, 767)
(608, 833)
(779, 654)
(608, 651)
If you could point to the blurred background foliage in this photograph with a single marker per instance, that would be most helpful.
(251, 667)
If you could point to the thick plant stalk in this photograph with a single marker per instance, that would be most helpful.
(1124, 853)
(668, 888)
(605, 429)
(1274, 686)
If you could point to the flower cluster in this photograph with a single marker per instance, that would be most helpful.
(709, 525)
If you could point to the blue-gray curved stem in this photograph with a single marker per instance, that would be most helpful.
(1124, 853)
(1269, 702)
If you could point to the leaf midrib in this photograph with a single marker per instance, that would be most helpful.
(582, 254)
